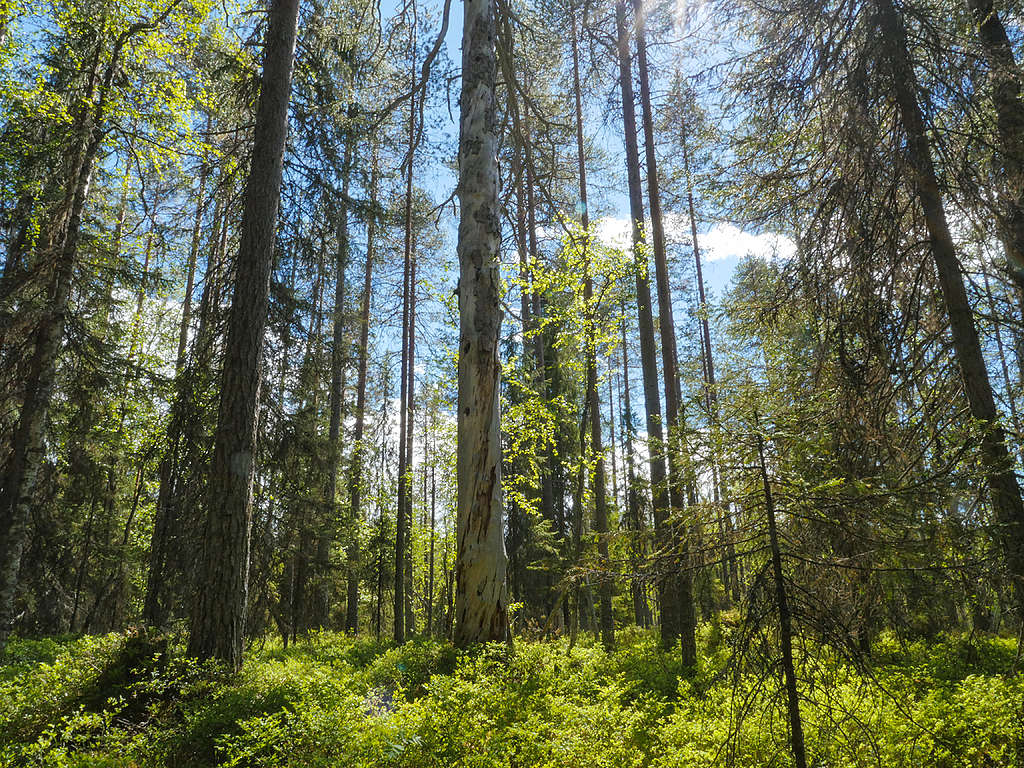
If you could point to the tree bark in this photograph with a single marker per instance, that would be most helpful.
(593, 402)
(29, 437)
(667, 596)
(480, 600)
(328, 524)
(405, 417)
(218, 623)
(355, 476)
(190, 278)
(682, 583)
(1004, 490)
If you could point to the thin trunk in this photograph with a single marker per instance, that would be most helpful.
(29, 437)
(796, 729)
(1011, 401)
(593, 402)
(355, 476)
(404, 421)
(190, 279)
(729, 580)
(433, 530)
(667, 595)
(166, 556)
(329, 522)
(410, 616)
(641, 611)
(683, 581)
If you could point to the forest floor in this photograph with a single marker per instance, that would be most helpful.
(332, 700)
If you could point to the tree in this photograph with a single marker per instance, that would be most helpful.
(480, 602)
(218, 623)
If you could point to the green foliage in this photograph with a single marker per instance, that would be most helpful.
(334, 700)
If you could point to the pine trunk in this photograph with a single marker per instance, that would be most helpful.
(667, 595)
(218, 623)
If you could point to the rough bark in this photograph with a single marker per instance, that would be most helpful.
(218, 622)
(667, 596)
(480, 599)
(1004, 491)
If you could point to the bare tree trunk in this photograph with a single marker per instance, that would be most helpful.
(668, 597)
(1002, 482)
(321, 609)
(593, 402)
(682, 583)
(719, 484)
(796, 728)
(480, 600)
(410, 616)
(218, 623)
(355, 476)
(190, 279)
(433, 530)
(404, 419)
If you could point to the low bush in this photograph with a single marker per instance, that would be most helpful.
(336, 701)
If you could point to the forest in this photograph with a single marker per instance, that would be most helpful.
(512, 383)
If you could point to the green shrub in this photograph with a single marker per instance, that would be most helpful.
(332, 700)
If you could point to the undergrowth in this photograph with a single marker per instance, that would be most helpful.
(331, 700)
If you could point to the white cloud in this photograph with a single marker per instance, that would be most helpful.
(726, 241)
(722, 241)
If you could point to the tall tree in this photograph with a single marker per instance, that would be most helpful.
(593, 405)
(1002, 482)
(480, 599)
(218, 622)
(23, 467)
(668, 597)
(682, 581)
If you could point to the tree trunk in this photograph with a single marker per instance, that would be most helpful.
(1006, 81)
(480, 600)
(668, 597)
(1002, 482)
(218, 623)
(404, 419)
(683, 581)
(796, 728)
(593, 402)
(410, 616)
(28, 443)
(355, 476)
(190, 279)
(321, 609)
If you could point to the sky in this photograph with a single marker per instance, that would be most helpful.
(722, 244)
